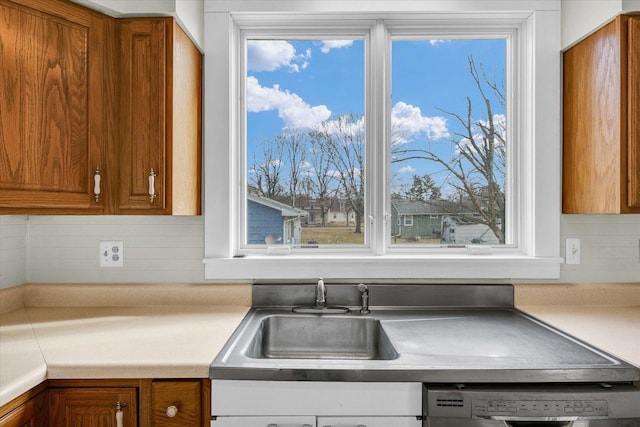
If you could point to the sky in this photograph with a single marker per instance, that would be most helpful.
(298, 84)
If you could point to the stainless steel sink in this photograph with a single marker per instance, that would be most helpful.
(320, 337)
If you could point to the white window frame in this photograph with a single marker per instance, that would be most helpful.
(536, 188)
(408, 220)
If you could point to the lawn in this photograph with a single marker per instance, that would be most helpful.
(346, 236)
(332, 236)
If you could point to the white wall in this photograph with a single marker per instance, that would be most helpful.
(581, 17)
(190, 14)
(157, 249)
(610, 248)
(13, 250)
(64, 249)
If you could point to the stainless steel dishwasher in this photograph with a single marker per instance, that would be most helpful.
(602, 405)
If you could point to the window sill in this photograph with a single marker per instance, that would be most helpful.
(388, 267)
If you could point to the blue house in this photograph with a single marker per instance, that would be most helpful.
(271, 222)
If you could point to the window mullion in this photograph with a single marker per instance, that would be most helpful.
(377, 126)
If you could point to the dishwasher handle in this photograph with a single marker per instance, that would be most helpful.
(539, 423)
(563, 419)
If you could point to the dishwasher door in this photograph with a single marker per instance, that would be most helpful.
(462, 422)
(584, 405)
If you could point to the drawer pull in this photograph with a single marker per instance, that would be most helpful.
(172, 411)
(152, 185)
(96, 185)
(119, 414)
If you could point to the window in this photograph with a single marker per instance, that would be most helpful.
(305, 138)
(381, 85)
(449, 145)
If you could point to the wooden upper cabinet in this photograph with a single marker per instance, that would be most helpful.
(83, 92)
(159, 150)
(601, 130)
(634, 112)
(52, 117)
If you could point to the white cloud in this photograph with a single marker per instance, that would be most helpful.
(292, 109)
(406, 169)
(327, 45)
(269, 55)
(437, 42)
(407, 121)
(346, 127)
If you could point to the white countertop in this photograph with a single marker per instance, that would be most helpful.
(605, 315)
(39, 343)
(72, 341)
(614, 329)
(92, 331)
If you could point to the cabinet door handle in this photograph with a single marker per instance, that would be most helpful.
(119, 414)
(171, 411)
(152, 185)
(96, 185)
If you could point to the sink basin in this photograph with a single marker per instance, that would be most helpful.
(320, 337)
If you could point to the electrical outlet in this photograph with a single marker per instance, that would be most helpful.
(572, 251)
(111, 254)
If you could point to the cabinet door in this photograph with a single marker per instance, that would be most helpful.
(633, 79)
(33, 413)
(369, 422)
(176, 403)
(264, 422)
(96, 407)
(51, 115)
(143, 112)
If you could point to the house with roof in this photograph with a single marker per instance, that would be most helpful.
(334, 211)
(416, 220)
(271, 222)
(442, 220)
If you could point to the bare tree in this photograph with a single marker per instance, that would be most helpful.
(344, 140)
(267, 173)
(294, 148)
(476, 169)
(320, 184)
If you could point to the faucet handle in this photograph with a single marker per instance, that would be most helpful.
(321, 293)
(364, 291)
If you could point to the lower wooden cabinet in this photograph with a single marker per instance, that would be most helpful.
(176, 403)
(29, 410)
(99, 407)
(101, 403)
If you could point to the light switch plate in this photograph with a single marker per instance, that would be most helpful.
(572, 251)
(111, 254)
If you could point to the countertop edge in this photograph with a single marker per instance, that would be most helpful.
(47, 364)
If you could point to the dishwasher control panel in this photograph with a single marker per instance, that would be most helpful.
(481, 408)
(534, 402)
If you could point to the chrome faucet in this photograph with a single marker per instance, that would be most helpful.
(364, 291)
(321, 294)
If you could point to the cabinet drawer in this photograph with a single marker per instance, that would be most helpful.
(369, 422)
(176, 403)
(276, 398)
(264, 422)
